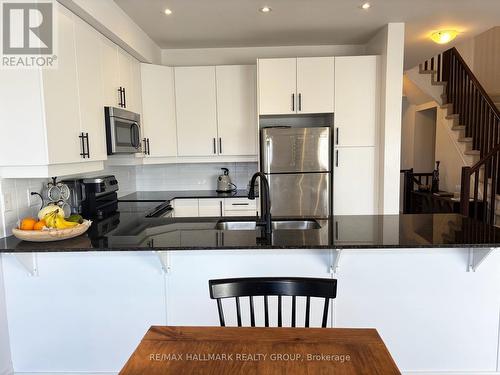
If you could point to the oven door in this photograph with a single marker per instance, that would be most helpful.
(125, 136)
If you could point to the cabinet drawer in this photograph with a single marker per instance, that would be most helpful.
(185, 207)
(251, 213)
(239, 204)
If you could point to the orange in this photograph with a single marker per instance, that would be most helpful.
(27, 223)
(39, 225)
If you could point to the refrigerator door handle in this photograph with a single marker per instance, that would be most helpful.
(268, 154)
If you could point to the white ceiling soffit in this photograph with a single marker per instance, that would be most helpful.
(238, 23)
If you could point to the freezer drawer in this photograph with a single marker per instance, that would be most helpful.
(289, 150)
(300, 194)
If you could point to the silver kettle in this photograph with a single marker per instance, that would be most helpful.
(224, 184)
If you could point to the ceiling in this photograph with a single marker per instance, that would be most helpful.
(238, 23)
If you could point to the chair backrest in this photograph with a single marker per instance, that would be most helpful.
(273, 286)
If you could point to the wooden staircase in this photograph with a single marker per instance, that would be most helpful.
(476, 116)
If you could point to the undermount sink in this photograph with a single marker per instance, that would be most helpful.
(277, 225)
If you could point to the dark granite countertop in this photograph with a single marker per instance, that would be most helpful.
(161, 196)
(130, 230)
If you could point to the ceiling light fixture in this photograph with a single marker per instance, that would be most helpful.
(366, 6)
(168, 12)
(444, 36)
(265, 9)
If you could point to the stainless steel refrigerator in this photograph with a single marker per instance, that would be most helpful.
(297, 163)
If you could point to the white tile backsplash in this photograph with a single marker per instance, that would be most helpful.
(200, 176)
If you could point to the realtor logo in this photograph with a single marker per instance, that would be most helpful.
(28, 34)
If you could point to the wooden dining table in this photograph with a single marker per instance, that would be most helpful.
(269, 351)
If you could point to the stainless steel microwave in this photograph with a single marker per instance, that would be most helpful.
(123, 131)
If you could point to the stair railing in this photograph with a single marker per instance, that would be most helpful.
(481, 118)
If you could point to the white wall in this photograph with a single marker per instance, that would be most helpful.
(113, 22)
(389, 43)
(191, 176)
(249, 55)
(5, 356)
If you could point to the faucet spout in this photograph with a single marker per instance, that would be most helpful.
(265, 218)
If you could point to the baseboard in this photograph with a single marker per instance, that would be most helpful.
(65, 373)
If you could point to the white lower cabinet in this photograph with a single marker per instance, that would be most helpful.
(354, 181)
(188, 298)
(208, 207)
(185, 207)
(215, 207)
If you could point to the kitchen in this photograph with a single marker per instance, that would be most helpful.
(160, 150)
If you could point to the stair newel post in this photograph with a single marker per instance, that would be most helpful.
(465, 191)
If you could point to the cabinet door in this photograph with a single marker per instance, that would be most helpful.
(210, 207)
(196, 109)
(315, 84)
(90, 87)
(357, 106)
(109, 53)
(60, 87)
(134, 89)
(185, 207)
(236, 111)
(355, 185)
(125, 77)
(277, 86)
(158, 102)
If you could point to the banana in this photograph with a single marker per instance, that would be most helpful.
(54, 220)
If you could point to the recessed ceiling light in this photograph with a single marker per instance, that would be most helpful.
(168, 12)
(265, 9)
(444, 36)
(366, 6)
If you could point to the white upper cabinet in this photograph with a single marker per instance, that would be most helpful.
(60, 93)
(315, 84)
(357, 105)
(277, 86)
(196, 109)
(236, 110)
(122, 77)
(296, 85)
(63, 104)
(158, 119)
(110, 74)
(90, 88)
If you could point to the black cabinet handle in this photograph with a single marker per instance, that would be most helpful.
(124, 98)
(220, 204)
(149, 150)
(239, 204)
(337, 158)
(88, 145)
(84, 139)
(145, 140)
(336, 230)
(215, 146)
(293, 102)
(300, 102)
(120, 91)
(220, 145)
(337, 132)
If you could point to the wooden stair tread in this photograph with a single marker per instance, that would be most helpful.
(465, 139)
(452, 116)
(472, 152)
(458, 127)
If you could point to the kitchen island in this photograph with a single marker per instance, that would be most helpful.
(82, 305)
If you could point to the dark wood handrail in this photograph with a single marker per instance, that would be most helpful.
(480, 117)
(484, 159)
(476, 82)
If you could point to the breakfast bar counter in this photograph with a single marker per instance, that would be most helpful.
(130, 230)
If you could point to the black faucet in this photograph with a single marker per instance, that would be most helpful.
(265, 217)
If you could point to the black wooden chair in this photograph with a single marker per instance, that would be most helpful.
(273, 286)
